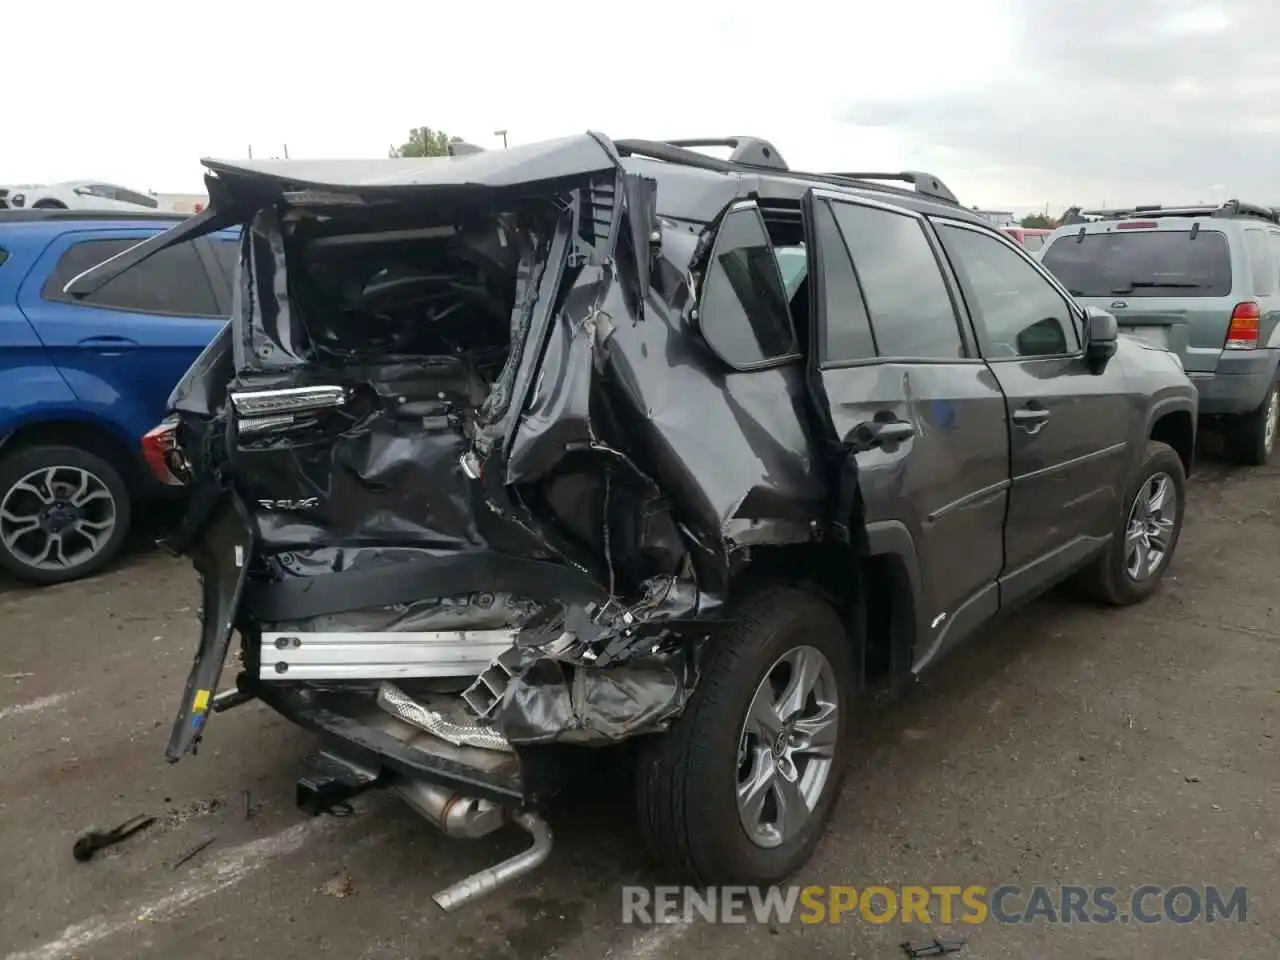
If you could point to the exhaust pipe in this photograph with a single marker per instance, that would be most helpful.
(458, 815)
(486, 881)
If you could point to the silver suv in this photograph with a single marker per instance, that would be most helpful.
(1199, 281)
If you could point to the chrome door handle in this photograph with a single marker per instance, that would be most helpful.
(1031, 419)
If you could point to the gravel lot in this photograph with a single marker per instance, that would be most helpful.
(1070, 746)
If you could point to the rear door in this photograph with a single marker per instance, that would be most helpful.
(1069, 424)
(125, 346)
(905, 387)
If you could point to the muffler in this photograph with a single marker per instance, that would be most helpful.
(453, 813)
(470, 817)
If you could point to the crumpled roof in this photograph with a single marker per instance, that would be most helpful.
(494, 169)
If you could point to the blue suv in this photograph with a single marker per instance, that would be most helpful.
(82, 380)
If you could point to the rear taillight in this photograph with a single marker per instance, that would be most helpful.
(1242, 334)
(164, 456)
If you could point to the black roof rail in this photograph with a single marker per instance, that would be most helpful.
(1231, 208)
(669, 152)
(925, 183)
(27, 215)
(747, 148)
(752, 151)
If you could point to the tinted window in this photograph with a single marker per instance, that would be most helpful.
(848, 331)
(4, 254)
(1261, 266)
(793, 262)
(1024, 316)
(911, 311)
(1164, 263)
(172, 281)
(1274, 241)
(744, 314)
(227, 255)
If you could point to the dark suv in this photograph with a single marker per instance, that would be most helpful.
(519, 451)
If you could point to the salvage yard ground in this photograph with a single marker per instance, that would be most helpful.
(1069, 746)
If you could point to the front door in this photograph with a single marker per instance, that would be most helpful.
(1068, 423)
(904, 386)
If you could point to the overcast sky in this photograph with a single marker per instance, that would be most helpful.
(1015, 103)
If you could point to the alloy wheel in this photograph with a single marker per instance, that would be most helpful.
(57, 518)
(1149, 532)
(1269, 426)
(787, 746)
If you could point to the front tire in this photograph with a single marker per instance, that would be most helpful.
(1149, 526)
(64, 514)
(741, 788)
(1252, 437)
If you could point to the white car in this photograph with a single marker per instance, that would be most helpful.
(77, 195)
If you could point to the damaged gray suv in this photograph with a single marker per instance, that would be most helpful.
(509, 454)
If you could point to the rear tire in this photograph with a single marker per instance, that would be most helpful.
(689, 780)
(1251, 437)
(62, 494)
(1111, 578)
(48, 205)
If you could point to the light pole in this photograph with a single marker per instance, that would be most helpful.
(503, 135)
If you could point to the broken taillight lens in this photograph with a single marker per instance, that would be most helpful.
(163, 455)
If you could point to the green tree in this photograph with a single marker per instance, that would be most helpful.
(424, 142)
(1037, 221)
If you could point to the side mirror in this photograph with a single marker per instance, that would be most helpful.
(1101, 335)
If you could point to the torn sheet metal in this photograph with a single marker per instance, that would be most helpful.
(723, 449)
(553, 701)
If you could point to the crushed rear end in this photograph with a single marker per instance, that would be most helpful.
(449, 487)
